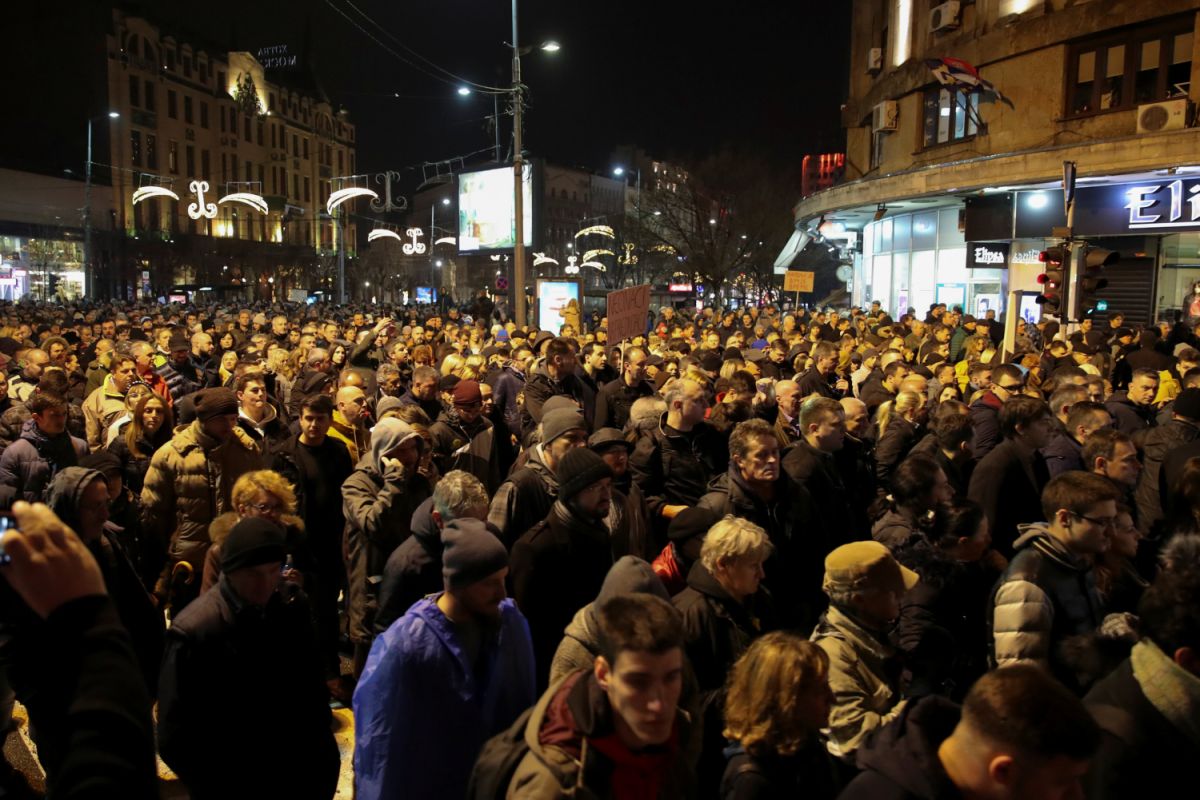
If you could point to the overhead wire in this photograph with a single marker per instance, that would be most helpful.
(452, 80)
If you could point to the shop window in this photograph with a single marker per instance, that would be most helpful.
(172, 104)
(135, 148)
(949, 116)
(1120, 72)
(948, 233)
(173, 157)
(924, 230)
(901, 232)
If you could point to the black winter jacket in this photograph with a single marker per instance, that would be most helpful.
(674, 468)
(900, 761)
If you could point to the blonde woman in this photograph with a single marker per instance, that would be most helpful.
(261, 493)
(474, 369)
(137, 390)
(453, 365)
(724, 609)
(898, 421)
(777, 700)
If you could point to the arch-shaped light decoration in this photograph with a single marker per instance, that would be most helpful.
(349, 193)
(591, 254)
(542, 258)
(597, 230)
(383, 233)
(446, 240)
(146, 192)
(595, 265)
(255, 201)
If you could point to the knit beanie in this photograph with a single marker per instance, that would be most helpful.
(385, 405)
(579, 469)
(1187, 404)
(179, 342)
(470, 553)
(556, 423)
(467, 393)
(215, 402)
(252, 542)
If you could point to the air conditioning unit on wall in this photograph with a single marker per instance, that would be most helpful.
(945, 16)
(885, 116)
(1169, 115)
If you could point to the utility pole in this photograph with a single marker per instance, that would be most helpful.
(88, 278)
(340, 222)
(521, 312)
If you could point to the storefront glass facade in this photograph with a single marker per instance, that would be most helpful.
(40, 268)
(918, 259)
(1179, 278)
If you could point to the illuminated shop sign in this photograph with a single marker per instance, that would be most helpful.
(1166, 205)
(987, 255)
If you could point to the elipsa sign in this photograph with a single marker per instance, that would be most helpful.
(1165, 205)
(987, 255)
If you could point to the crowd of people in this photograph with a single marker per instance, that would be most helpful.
(753, 554)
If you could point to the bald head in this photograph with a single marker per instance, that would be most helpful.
(857, 418)
(351, 377)
(787, 395)
(351, 402)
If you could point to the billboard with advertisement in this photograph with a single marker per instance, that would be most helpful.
(486, 219)
(552, 299)
(426, 295)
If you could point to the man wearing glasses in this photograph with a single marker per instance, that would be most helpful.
(1048, 592)
(1007, 381)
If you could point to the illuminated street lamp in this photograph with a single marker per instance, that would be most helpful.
(88, 274)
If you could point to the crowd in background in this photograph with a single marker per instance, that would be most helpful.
(749, 553)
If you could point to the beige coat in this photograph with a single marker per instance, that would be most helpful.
(189, 484)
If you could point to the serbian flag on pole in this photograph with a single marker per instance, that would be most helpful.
(958, 73)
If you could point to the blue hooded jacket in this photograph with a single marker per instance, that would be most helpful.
(421, 714)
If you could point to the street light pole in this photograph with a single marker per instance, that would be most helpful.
(88, 280)
(521, 312)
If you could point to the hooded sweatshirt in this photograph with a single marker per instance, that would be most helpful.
(901, 759)
(580, 644)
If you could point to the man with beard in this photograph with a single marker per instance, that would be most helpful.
(464, 439)
(559, 565)
(456, 669)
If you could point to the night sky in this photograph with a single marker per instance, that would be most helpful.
(667, 75)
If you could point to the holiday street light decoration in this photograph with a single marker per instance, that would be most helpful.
(200, 208)
(399, 203)
(597, 230)
(593, 254)
(595, 265)
(247, 193)
(629, 258)
(383, 232)
(414, 247)
(348, 188)
(146, 192)
(446, 240)
(542, 258)
(572, 267)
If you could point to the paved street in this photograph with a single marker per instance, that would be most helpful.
(20, 752)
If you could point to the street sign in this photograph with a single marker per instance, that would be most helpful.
(798, 281)
(501, 284)
(627, 310)
(1102, 305)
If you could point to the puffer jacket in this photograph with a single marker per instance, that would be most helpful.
(864, 682)
(1045, 596)
(378, 501)
(30, 463)
(99, 410)
(1151, 488)
(189, 484)
(12, 422)
(184, 380)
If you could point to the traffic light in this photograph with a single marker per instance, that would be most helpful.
(53, 281)
(1053, 279)
(1088, 282)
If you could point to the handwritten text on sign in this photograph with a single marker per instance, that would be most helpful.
(627, 311)
(798, 281)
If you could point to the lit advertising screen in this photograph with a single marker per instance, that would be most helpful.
(486, 219)
(426, 295)
(552, 300)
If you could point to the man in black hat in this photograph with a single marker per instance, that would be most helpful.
(181, 373)
(627, 518)
(559, 565)
(525, 498)
(244, 650)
